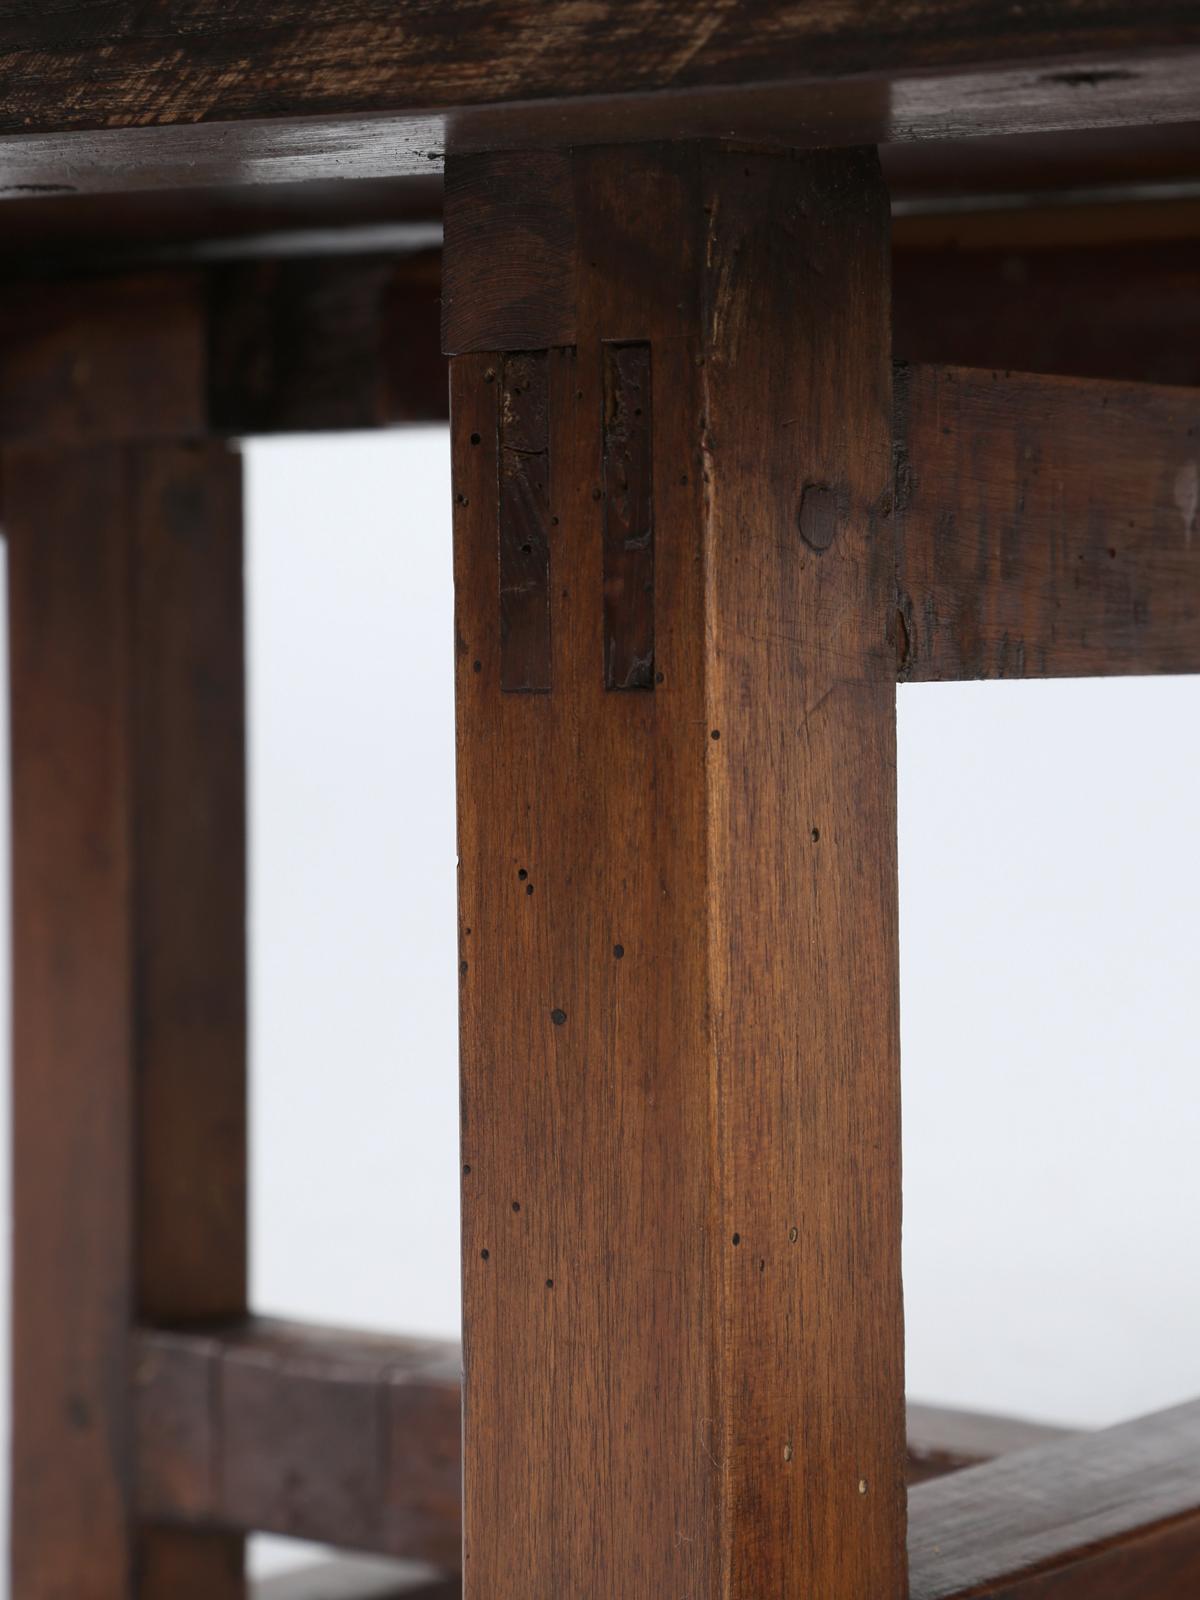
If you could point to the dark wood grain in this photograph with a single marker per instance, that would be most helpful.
(128, 1103)
(62, 231)
(682, 1305)
(1047, 527)
(73, 1022)
(313, 1433)
(318, 345)
(529, 290)
(262, 220)
(942, 1439)
(102, 358)
(628, 517)
(1119, 299)
(185, 517)
(857, 72)
(523, 464)
(1113, 1515)
(304, 345)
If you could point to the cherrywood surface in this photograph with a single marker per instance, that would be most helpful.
(314, 1433)
(1113, 1515)
(128, 1092)
(325, 1433)
(678, 1015)
(1046, 527)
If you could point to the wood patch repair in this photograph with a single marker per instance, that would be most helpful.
(628, 519)
(524, 501)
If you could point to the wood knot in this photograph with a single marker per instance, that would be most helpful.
(819, 516)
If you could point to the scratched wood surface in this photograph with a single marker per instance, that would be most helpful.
(1046, 527)
(193, 63)
(128, 1098)
(679, 1052)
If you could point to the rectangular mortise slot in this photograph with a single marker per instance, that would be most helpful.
(524, 500)
(628, 519)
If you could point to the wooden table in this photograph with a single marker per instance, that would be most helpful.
(795, 350)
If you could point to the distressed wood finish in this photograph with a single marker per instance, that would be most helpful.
(309, 1432)
(298, 90)
(628, 518)
(1046, 527)
(524, 522)
(128, 1113)
(1105, 1516)
(679, 1042)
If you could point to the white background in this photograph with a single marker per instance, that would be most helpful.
(1050, 899)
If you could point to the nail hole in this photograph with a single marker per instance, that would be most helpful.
(522, 874)
(466, 1166)
(816, 834)
(516, 1205)
(737, 1238)
(462, 967)
(549, 1283)
(474, 438)
(618, 951)
(558, 1017)
(716, 733)
(484, 1254)
(793, 1235)
(528, 888)
(477, 666)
